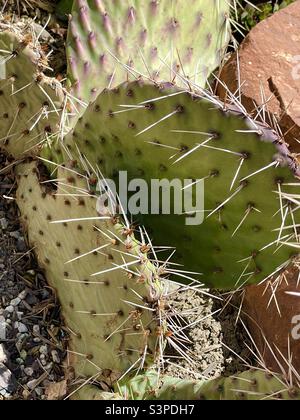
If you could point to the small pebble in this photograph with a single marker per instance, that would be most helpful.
(31, 299)
(21, 245)
(2, 328)
(36, 329)
(23, 354)
(10, 309)
(15, 302)
(44, 350)
(3, 356)
(4, 223)
(55, 356)
(28, 371)
(20, 315)
(21, 327)
(7, 381)
(15, 235)
(31, 384)
(39, 391)
(43, 360)
(22, 295)
(49, 366)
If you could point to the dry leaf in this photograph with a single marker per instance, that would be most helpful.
(56, 391)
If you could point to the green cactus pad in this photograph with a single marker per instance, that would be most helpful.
(163, 139)
(249, 385)
(112, 316)
(92, 393)
(31, 103)
(64, 8)
(110, 42)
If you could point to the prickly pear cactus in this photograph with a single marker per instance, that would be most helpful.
(92, 393)
(246, 229)
(63, 8)
(31, 103)
(110, 42)
(249, 385)
(109, 290)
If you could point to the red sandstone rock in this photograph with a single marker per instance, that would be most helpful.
(270, 63)
(281, 330)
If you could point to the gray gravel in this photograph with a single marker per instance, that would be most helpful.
(32, 336)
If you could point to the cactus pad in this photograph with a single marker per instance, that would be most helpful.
(249, 385)
(111, 316)
(30, 101)
(160, 133)
(110, 42)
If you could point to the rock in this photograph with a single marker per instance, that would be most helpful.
(7, 382)
(4, 223)
(2, 328)
(20, 315)
(31, 299)
(10, 309)
(43, 360)
(20, 341)
(44, 350)
(36, 329)
(21, 245)
(15, 302)
(3, 355)
(39, 391)
(32, 384)
(28, 371)
(23, 354)
(281, 330)
(42, 33)
(21, 327)
(49, 366)
(22, 295)
(55, 356)
(269, 60)
(15, 235)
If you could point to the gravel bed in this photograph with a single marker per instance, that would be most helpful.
(32, 337)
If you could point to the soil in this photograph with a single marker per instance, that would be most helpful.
(219, 343)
